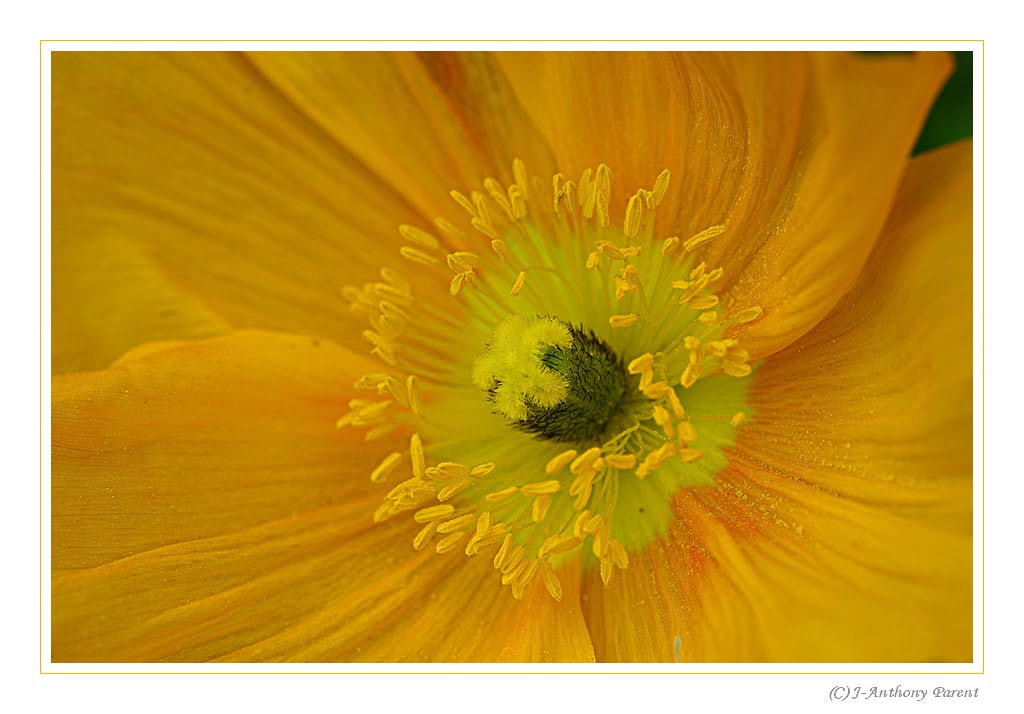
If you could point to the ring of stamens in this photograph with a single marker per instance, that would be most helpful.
(648, 292)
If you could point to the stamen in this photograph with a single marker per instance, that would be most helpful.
(385, 467)
(418, 256)
(419, 237)
(550, 378)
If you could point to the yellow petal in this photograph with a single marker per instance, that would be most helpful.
(325, 585)
(798, 155)
(189, 195)
(177, 442)
(841, 531)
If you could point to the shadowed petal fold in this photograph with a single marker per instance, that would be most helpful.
(190, 440)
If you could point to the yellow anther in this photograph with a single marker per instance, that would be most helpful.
(484, 227)
(577, 526)
(464, 202)
(592, 260)
(564, 545)
(585, 459)
(518, 286)
(609, 249)
(702, 302)
(675, 404)
(511, 572)
(584, 479)
(600, 541)
(657, 390)
(385, 467)
(703, 237)
(551, 583)
(687, 434)
(497, 193)
(503, 552)
(519, 172)
(515, 557)
(583, 498)
(455, 523)
(607, 570)
(617, 554)
(663, 419)
(527, 573)
(384, 511)
(518, 203)
(424, 536)
(748, 315)
(453, 488)
(500, 249)
(412, 387)
(641, 363)
(623, 320)
(690, 375)
(646, 379)
(419, 237)
(660, 187)
(593, 524)
(449, 543)
(462, 262)
(419, 462)
(735, 370)
(433, 513)
(670, 246)
(418, 256)
(719, 348)
(541, 488)
(451, 469)
(737, 418)
(621, 461)
(541, 504)
(708, 318)
(481, 470)
(396, 389)
(560, 462)
(480, 203)
(451, 229)
(569, 196)
(502, 494)
(379, 431)
(634, 212)
(483, 523)
(603, 186)
(688, 455)
(409, 486)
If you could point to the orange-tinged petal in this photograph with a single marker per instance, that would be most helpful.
(798, 155)
(841, 531)
(197, 439)
(205, 506)
(427, 123)
(190, 194)
(325, 585)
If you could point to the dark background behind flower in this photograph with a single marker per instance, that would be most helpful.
(951, 119)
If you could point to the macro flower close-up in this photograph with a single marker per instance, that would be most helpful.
(509, 357)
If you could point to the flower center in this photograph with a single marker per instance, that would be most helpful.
(581, 376)
(551, 379)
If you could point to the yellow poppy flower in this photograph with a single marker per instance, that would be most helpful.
(508, 357)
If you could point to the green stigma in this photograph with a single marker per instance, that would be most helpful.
(551, 379)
